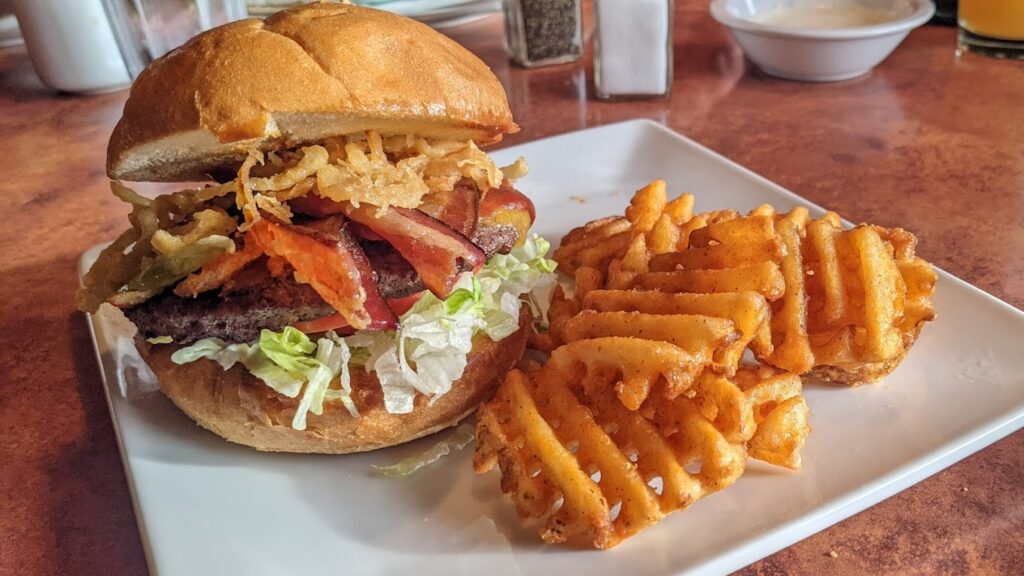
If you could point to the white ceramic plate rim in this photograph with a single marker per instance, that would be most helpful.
(833, 508)
(923, 11)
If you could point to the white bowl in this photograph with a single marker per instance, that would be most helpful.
(817, 54)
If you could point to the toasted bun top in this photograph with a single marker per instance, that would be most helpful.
(302, 75)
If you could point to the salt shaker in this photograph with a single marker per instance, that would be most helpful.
(633, 49)
(543, 32)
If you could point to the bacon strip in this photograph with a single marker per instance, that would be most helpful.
(326, 257)
(313, 204)
(457, 207)
(437, 252)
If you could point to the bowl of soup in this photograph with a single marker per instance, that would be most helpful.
(820, 40)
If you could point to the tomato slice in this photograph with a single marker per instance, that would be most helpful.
(402, 305)
(334, 322)
(457, 208)
(338, 323)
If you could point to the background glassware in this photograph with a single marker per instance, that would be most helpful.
(71, 45)
(10, 35)
(992, 27)
(148, 29)
(945, 13)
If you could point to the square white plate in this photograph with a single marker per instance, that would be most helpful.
(209, 507)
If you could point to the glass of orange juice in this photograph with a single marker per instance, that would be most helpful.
(993, 27)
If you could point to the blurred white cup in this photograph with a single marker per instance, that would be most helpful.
(71, 45)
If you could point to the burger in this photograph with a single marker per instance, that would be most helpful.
(354, 272)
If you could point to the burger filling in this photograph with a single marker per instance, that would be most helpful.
(382, 254)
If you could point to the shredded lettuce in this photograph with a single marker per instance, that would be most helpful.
(285, 361)
(425, 356)
(454, 441)
(289, 349)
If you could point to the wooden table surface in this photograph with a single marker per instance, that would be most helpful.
(927, 141)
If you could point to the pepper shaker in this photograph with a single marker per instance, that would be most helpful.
(633, 48)
(543, 32)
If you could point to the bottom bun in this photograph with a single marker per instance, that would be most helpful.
(240, 408)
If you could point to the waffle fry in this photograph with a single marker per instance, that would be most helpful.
(643, 406)
(764, 278)
(572, 455)
(680, 210)
(747, 311)
(591, 470)
(593, 245)
(780, 415)
(791, 346)
(622, 271)
(633, 366)
(664, 237)
(587, 280)
(869, 297)
(647, 206)
(662, 223)
(698, 336)
(845, 304)
(542, 476)
(561, 310)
